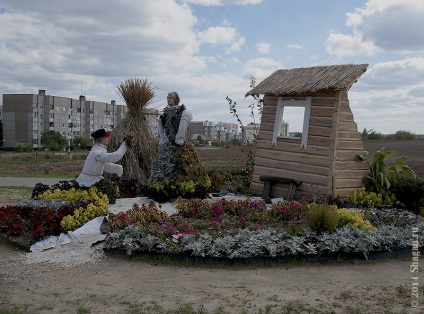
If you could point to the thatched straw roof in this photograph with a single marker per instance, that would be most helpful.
(301, 81)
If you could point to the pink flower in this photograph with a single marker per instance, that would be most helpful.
(242, 220)
(123, 217)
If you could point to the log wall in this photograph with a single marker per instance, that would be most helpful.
(326, 167)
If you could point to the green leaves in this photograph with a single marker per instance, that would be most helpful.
(381, 176)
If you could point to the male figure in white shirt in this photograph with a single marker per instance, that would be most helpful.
(99, 160)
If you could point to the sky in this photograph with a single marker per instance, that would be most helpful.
(207, 50)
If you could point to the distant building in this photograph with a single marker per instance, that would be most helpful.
(27, 116)
(211, 131)
(205, 129)
(251, 131)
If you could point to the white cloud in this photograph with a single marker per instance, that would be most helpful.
(389, 96)
(345, 45)
(391, 25)
(294, 46)
(223, 2)
(260, 68)
(263, 48)
(218, 35)
(236, 46)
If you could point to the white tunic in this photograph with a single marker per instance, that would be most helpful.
(99, 160)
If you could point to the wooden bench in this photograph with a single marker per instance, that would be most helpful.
(269, 181)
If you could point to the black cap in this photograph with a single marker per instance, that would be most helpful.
(98, 134)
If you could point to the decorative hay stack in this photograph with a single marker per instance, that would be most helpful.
(137, 128)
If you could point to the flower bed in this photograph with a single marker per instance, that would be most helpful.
(224, 229)
(50, 214)
(247, 229)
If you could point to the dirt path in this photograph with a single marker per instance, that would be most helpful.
(117, 284)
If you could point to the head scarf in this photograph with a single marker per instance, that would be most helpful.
(175, 96)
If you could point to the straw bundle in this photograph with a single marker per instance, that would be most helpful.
(137, 129)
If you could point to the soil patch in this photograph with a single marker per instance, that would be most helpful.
(114, 283)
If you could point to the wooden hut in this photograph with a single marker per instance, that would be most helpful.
(321, 160)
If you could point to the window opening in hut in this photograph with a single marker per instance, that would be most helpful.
(292, 120)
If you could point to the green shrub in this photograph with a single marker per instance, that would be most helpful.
(322, 218)
(22, 148)
(371, 199)
(410, 194)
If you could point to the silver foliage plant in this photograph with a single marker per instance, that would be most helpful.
(273, 242)
(35, 203)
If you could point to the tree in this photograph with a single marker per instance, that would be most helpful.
(199, 139)
(401, 135)
(80, 142)
(53, 140)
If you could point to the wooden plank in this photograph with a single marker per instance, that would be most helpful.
(345, 135)
(343, 193)
(348, 183)
(345, 116)
(348, 126)
(256, 189)
(296, 175)
(324, 102)
(350, 174)
(290, 147)
(322, 112)
(320, 141)
(319, 131)
(269, 110)
(317, 160)
(269, 118)
(350, 145)
(321, 121)
(350, 165)
(347, 155)
(292, 166)
(268, 99)
(267, 126)
(265, 137)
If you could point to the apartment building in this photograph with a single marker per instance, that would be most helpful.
(211, 131)
(27, 116)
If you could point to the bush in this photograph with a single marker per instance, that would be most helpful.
(371, 199)
(22, 149)
(410, 194)
(322, 218)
